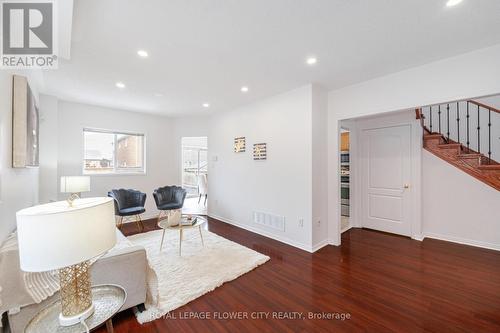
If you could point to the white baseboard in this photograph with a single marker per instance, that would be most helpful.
(485, 245)
(418, 237)
(264, 233)
(344, 230)
(320, 245)
(333, 243)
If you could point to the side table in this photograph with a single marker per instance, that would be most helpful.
(107, 299)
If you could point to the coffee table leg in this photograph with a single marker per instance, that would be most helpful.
(201, 235)
(109, 326)
(162, 236)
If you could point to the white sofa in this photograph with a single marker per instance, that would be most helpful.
(125, 266)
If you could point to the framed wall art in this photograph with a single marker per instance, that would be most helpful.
(260, 151)
(239, 144)
(24, 125)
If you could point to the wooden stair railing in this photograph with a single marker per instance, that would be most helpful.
(459, 140)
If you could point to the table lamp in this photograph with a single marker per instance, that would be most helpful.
(60, 236)
(74, 185)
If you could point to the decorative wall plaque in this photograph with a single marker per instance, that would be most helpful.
(239, 145)
(260, 151)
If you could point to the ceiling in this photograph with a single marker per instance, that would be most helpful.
(203, 51)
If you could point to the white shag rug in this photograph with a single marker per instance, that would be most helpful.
(175, 280)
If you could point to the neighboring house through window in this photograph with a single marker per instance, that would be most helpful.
(107, 152)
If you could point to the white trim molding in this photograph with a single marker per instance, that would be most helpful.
(389, 119)
(264, 233)
(320, 245)
(464, 241)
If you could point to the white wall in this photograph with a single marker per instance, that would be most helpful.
(458, 207)
(319, 168)
(48, 109)
(280, 185)
(433, 83)
(18, 187)
(73, 117)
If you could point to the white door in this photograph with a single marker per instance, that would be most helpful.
(386, 173)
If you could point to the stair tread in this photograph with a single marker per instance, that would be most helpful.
(459, 154)
(450, 144)
(432, 136)
(466, 156)
(489, 167)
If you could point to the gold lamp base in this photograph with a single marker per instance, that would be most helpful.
(72, 198)
(76, 294)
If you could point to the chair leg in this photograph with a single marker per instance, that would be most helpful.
(206, 197)
(201, 235)
(120, 222)
(160, 217)
(162, 236)
(137, 222)
(141, 225)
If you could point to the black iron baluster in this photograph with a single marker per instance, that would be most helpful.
(489, 136)
(439, 117)
(478, 132)
(448, 121)
(458, 123)
(468, 142)
(430, 117)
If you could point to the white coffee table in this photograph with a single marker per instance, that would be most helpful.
(181, 227)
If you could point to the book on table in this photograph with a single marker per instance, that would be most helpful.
(186, 222)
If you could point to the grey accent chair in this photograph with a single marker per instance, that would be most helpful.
(129, 205)
(169, 198)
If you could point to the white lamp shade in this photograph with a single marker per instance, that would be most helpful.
(55, 235)
(75, 184)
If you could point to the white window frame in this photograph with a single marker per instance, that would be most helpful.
(116, 170)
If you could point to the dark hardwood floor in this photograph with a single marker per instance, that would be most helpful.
(384, 283)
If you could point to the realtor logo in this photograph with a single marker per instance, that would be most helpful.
(28, 38)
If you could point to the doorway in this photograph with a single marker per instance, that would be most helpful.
(384, 173)
(195, 174)
(345, 173)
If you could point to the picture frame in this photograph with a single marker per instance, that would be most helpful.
(259, 151)
(25, 125)
(240, 144)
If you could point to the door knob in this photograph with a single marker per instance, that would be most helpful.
(406, 186)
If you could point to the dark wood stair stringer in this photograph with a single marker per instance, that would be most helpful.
(467, 160)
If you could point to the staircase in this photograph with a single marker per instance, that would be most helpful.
(461, 133)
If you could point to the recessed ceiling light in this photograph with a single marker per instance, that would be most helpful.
(244, 89)
(452, 3)
(206, 105)
(311, 61)
(142, 54)
(120, 85)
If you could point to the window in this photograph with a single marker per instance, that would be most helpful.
(108, 152)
